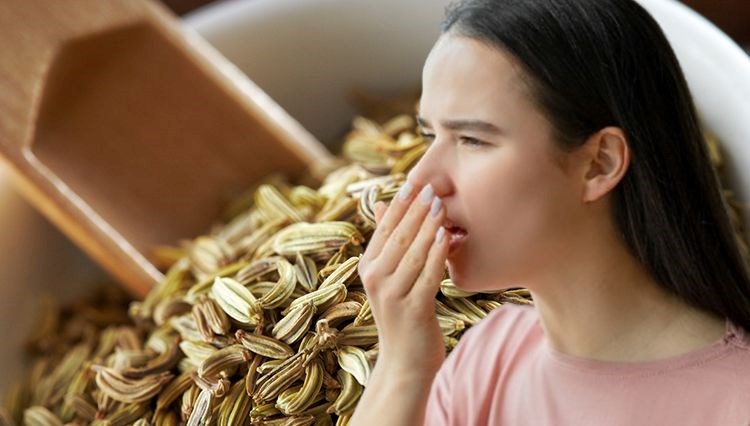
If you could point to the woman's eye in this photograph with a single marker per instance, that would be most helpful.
(464, 140)
(472, 141)
(426, 136)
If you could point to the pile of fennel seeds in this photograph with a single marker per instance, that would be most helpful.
(261, 321)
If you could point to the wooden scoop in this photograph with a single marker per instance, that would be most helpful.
(129, 131)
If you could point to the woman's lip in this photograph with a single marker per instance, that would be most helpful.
(457, 239)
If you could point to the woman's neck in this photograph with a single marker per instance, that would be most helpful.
(604, 305)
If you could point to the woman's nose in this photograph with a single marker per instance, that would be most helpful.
(434, 170)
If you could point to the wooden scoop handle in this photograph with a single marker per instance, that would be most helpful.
(128, 131)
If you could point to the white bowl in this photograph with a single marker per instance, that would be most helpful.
(306, 54)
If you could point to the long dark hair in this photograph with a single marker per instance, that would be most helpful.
(596, 63)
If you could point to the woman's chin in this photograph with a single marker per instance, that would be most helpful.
(459, 278)
(475, 284)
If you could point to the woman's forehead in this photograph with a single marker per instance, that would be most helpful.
(462, 73)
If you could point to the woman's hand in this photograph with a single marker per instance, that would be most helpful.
(401, 271)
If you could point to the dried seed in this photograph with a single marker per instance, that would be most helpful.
(162, 363)
(40, 416)
(299, 421)
(200, 414)
(449, 289)
(283, 288)
(236, 300)
(252, 373)
(174, 390)
(107, 342)
(268, 366)
(357, 294)
(350, 393)
(57, 383)
(300, 398)
(186, 326)
(363, 335)
(264, 410)
(306, 238)
(408, 159)
(450, 342)
(450, 325)
(76, 388)
(197, 351)
(489, 305)
(343, 419)
(217, 385)
(467, 307)
(295, 323)
(272, 202)
(271, 385)
(124, 415)
(444, 310)
(340, 210)
(353, 360)
(264, 345)
(215, 320)
(307, 272)
(189, 398)
(235, 408)
(204, 286)
(168, 308)
(223, 359)
(207, 255)
(322, 298)
(165, 418)
(82, 407)
(343, 274)
(123, 389)
(257, 269)
(365, 315)
(302, 195)
(341, 312)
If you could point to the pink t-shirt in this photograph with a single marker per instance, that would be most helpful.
(503, 372)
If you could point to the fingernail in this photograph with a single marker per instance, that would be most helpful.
(440, 234)
(426, 194)
(405, 191)
(436, 204)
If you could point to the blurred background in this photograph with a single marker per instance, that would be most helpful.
(732, 16)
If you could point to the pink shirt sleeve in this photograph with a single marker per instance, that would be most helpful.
(471, 366)
(439, 403)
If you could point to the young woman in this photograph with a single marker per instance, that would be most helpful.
(566, 157)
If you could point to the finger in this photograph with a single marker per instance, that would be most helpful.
(428, 283)
(380, 209)
(426, 205)
(391, 218)
(412, 263)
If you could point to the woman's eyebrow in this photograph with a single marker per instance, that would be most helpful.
(477, 125)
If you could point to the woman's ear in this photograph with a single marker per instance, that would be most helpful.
(607, 157)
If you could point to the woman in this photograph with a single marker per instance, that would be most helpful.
(566, 157)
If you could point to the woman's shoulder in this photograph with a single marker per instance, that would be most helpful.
(733, 361)
(504, 332)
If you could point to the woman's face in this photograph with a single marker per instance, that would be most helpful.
(497, 177)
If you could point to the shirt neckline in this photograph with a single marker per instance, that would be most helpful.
(733, 335)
